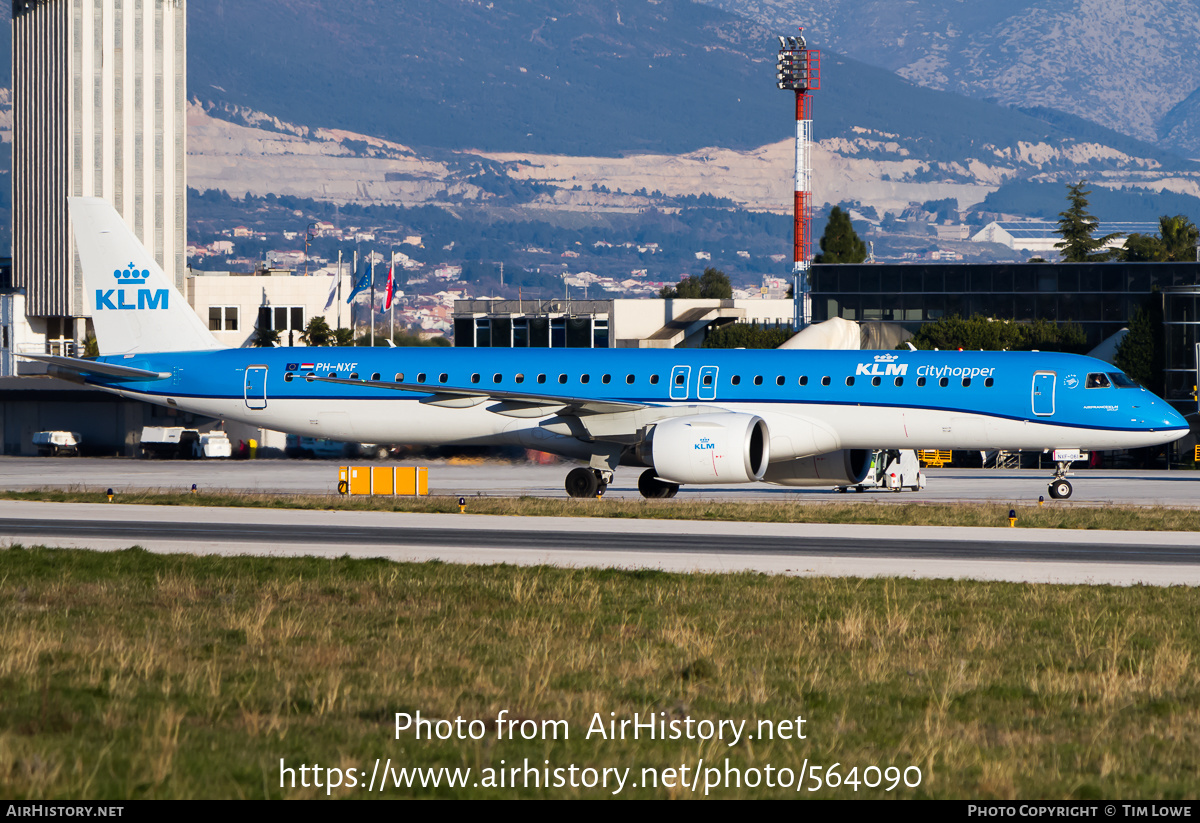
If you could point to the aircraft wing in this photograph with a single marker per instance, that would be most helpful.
(78, 365)
(511, 403)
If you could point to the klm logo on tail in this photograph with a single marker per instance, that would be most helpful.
(127, 280)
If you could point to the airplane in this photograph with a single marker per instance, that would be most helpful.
(686, 416)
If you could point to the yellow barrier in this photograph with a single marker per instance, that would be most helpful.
(1196, 456)
(934, 458)
(402, 480)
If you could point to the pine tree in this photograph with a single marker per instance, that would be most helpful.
(1076, 228)
(840, 243)
(1141, 354)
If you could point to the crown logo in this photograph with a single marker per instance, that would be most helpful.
(131, 276)
(886, 358)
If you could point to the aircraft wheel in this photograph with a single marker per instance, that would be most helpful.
(582, 483)
(1060, 489)
(654, 489)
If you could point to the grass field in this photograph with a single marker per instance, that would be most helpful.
(129, 675)
(1051, 516)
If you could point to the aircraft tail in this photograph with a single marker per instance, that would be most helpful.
(134, 307)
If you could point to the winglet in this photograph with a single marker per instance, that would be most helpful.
(134, 307)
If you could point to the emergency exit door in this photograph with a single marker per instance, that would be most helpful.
(1043, 393)
(256, 387)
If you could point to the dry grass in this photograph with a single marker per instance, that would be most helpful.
(126, 675)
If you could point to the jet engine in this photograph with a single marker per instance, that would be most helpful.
(845, 467)
(708, 448)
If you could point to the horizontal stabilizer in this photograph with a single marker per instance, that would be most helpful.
(81, 366)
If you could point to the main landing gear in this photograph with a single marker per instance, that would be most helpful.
(652, 488)
(583, 482)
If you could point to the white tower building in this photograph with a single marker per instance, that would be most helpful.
(99, 95)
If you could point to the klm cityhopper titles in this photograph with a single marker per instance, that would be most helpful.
(687, 416)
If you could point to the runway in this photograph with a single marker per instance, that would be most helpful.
(495, 478)
(1121, 558)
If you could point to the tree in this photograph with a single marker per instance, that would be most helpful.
(712, 285)
(1175, 243)
(317, 333)
(987, 334)
(1076, 228)
(265, 338)
(1141, 354)
(840, 243)
(343, 337)
(746, 336)
(1179, 236)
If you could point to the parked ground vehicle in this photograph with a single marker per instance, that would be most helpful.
(57, 443)
(178, 442)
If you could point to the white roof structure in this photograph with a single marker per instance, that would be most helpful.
(1041, 235)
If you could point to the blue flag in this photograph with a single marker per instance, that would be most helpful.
(364, 282)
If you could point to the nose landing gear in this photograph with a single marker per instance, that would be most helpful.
(1060, 487)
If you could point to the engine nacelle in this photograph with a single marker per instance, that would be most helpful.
(846, 467)
(709, 448)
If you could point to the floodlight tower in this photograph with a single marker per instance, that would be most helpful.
(799, 70)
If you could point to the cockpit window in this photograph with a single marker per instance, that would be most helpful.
(1122, 381)
(1096, 380)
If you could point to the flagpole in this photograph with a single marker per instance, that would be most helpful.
(339, 290)
(353, 285)
(372, 315)
(391, 298)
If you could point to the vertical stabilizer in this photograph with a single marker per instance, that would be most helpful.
(134, 307)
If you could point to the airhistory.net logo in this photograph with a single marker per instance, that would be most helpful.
(127, 299)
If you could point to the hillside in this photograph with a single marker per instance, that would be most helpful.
(1125, 65)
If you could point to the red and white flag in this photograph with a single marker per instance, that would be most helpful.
(391, 287)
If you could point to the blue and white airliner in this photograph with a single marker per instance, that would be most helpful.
(687, 416)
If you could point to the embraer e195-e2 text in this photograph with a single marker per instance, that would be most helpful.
(687, 416)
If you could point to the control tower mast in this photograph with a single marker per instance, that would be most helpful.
(799, 70)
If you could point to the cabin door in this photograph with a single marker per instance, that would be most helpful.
(1043, 393)
(706, 386)
(256, 387)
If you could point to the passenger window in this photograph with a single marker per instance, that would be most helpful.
(353, 375)
(1098, 380)
(333, 374)
(629, 379)
(309, 377)
(375, 376)
(443, 377)
(735, 380)
(399, 377)
(966, 382)
(583, 378)
(287, 377)
(562, 378)
(541, 378)
(654, 380)
(707, 379)
(989, 383)
(825, 380)
(475, 378)
(520, 378)
(779, 381)
(899, 381)
(758, 379)
(849, 381)
(944, 382)
(679, 380)
(804, 380)
(920, 381)
(606, 378)
(421, 377)
(874, 381)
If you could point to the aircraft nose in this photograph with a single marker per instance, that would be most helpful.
(1173, 419)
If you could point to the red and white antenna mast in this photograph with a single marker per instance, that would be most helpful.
(799, 70)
